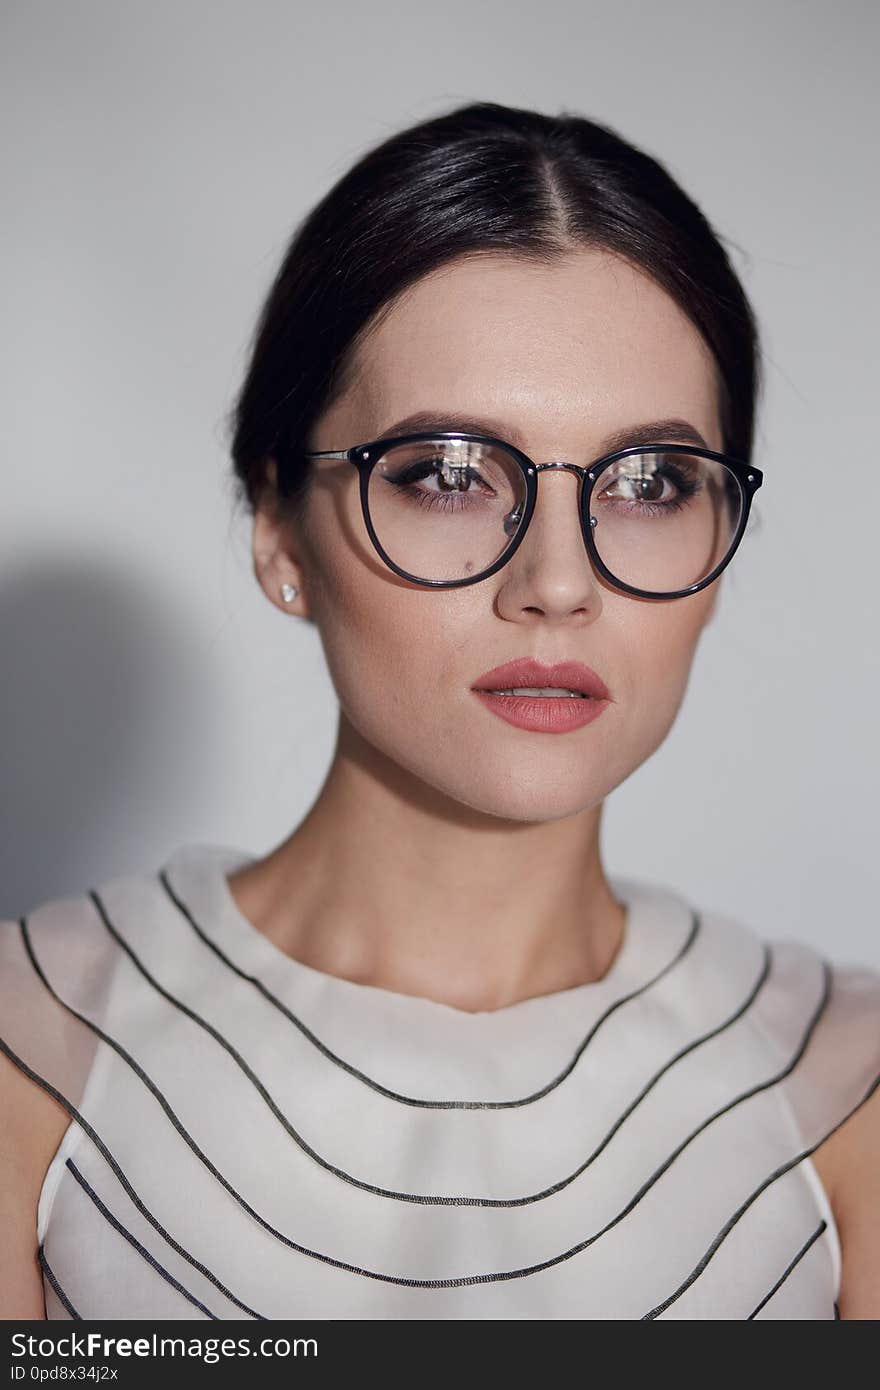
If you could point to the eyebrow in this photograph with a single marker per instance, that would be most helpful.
(649, 432)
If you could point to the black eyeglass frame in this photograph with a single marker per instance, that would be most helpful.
(366, 456)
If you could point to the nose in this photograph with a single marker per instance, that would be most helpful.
(551, 572)
(583, 476)
(563, 518)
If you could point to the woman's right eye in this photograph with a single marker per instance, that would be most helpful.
(453, 478)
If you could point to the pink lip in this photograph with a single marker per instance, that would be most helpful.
(568, 675)
(543, 713)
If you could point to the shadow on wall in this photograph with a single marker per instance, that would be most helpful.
(107, 712)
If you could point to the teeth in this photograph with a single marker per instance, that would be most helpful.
(546, 690)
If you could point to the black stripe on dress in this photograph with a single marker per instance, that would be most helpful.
(134, 1242)
(430, 1199)
(780, 1172)
(396, 1095)
(50, 1275)
(788, 1269)
(464, 1280)
(105, 1152)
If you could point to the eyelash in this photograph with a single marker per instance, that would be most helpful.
(455, 500)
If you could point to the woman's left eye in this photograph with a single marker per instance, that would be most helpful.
(649, 488)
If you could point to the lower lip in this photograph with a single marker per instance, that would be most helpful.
(543, 714)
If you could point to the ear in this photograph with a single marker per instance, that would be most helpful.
(277, 553)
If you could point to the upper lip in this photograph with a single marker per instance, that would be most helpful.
(565, 675)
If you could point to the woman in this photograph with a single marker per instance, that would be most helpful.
(425, 1058)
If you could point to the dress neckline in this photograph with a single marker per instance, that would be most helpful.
(655, 926)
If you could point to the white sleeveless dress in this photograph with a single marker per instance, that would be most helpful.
(251, 1138)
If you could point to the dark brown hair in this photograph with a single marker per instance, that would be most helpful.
(482, 178)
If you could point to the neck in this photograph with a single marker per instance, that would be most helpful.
(391, 883)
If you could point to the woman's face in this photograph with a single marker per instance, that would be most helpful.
(554, 359)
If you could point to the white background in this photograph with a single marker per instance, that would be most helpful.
(156, 159)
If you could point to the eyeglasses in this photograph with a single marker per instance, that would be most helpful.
(449, 509)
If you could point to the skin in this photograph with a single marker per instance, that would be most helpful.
(430, 799)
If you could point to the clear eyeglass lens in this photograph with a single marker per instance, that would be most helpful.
(665, 520)
(446, 510)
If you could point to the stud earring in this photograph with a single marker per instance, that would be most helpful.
(289, 592)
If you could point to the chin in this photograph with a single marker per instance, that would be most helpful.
(517, 799)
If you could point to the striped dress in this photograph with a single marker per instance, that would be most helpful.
(251, 1138)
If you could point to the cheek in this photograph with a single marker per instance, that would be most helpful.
(401, 661)
(380, 651)
(388, 645)
(662, 645)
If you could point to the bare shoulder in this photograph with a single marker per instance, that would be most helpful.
(32, 1125)
(848, 1162)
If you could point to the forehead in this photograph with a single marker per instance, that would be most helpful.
(589, 336)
